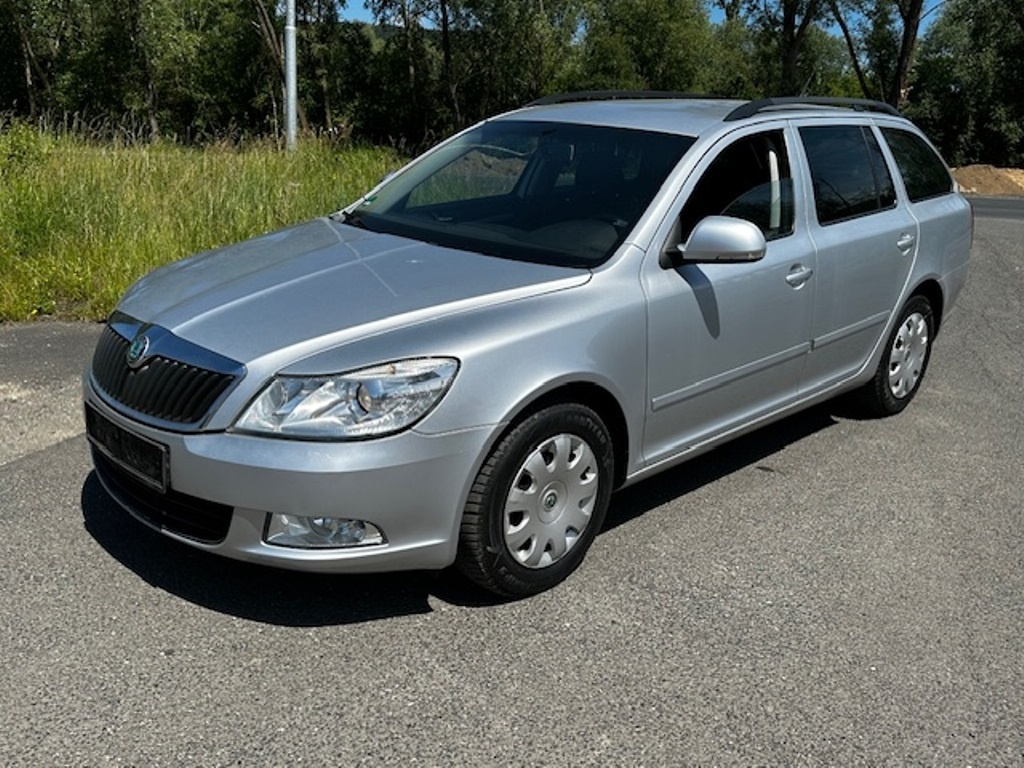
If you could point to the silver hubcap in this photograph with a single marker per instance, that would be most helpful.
(907, 356)
(551, 500)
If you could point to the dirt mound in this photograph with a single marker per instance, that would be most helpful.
(989, 180)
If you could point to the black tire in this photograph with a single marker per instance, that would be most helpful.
(560, 461)
(904, 361)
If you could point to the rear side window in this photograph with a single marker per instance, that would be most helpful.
(848, 171)
(924, 173)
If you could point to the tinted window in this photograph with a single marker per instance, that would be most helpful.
(924, 173)
(848, 171)
(556, 193)
(749, 180)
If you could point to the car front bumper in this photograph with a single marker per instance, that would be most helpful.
(221, 488)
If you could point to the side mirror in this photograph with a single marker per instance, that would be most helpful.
(719, 239)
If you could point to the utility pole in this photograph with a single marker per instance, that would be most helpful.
(290, 78)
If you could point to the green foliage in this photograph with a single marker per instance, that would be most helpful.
(881, 44)
(824, 66)
(334, 70)
(182, 68)
(447, 63)
(102, 96)
(200, 71)
(966, 94)
(655, 44)
(81, 222)
(140, 73)
(21, 147)
(731, 61)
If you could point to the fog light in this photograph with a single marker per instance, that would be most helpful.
(320, 532)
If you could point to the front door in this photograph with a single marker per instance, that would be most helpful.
(727, 343)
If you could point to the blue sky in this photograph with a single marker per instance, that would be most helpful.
(355, 10)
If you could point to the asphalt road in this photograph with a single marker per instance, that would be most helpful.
(827, 591)
(998, 207)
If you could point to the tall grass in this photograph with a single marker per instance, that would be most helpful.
(80, 222)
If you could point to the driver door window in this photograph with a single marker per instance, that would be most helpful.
(749, 180)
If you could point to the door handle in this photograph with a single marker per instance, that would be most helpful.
(798, 275)
(905, 242)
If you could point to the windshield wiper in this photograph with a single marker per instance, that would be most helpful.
(347, 217)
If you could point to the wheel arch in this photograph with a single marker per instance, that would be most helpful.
(932, 291)
(599, 400)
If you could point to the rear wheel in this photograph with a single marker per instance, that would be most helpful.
(901, 369)
(538, 502)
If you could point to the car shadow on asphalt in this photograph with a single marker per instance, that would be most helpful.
(291, 598)
(751, 450)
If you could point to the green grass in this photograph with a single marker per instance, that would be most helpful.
(80, 222)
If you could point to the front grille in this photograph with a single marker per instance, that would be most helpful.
(165, 387)
(194, 518)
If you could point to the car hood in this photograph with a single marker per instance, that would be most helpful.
(322, 283)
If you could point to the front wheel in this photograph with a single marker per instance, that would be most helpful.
(538, 502)
(904, 361)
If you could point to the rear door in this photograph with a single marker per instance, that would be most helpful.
(867, 241)
(943, 215)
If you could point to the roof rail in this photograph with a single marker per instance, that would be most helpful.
(757, 106)
(576, 96)
(748, 109)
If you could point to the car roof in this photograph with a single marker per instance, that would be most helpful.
(689, 117)
(681, 113)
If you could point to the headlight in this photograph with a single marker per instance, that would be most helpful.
(367, 403)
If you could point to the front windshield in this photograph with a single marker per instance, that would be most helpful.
(555, 193)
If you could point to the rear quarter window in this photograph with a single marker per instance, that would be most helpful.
(924, 173)
(848, 171)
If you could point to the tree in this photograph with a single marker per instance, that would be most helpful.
(786, 26)
(655, 44)
(446, 63)
(732, 58)
(962, 95)
(883, 53)
(517, 51)
(45, 33)
(193, 70)
(403, 70)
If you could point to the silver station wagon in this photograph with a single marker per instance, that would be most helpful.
(460, 367)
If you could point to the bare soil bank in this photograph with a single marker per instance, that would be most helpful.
(990, 181)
